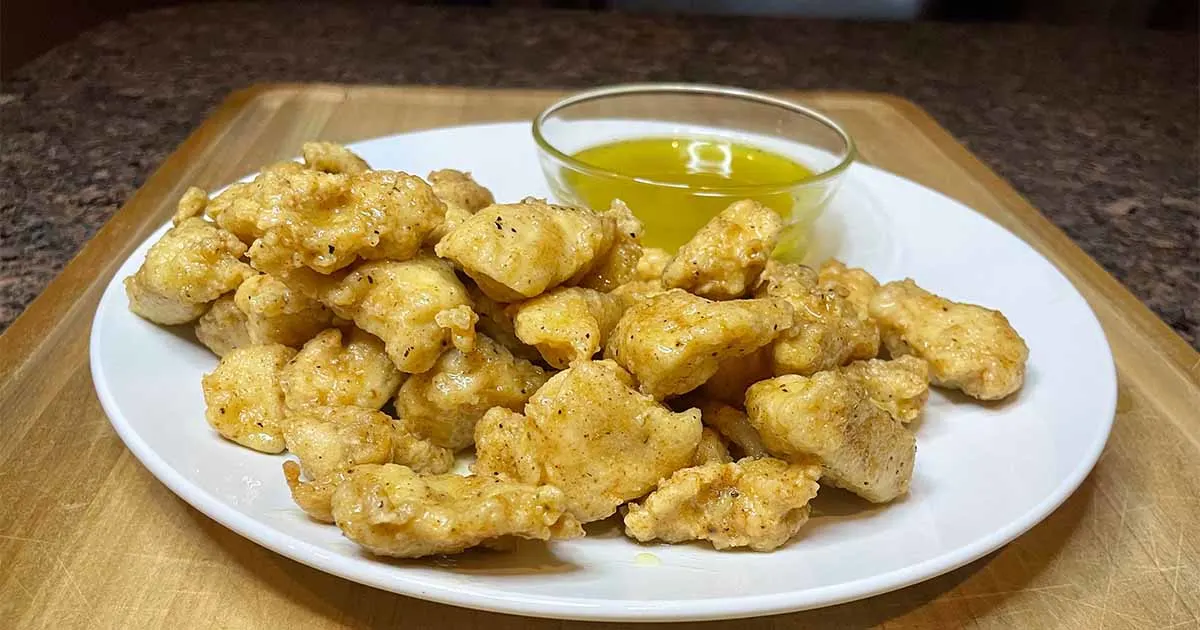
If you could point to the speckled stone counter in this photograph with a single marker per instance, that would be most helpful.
(1098, 129)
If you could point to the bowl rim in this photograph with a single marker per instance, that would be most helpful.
(707, 89)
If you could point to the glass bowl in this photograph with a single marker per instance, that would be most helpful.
(715, 115)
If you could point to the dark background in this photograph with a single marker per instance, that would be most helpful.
(30, 27)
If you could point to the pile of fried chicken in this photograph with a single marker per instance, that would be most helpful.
(377, 325)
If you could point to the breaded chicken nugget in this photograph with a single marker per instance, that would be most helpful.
(830, 417)
(445, 402)
(734, 376)
(336, 369)
(191, 266)
(828, 330)
(329, 157)
(734, 426)
(652, 263)
(328, 440)
(723, 260)
(496, 322)
(619, 264)
(277, 314)
(517, 251)
(391, 510)
(900, 386)
(968, 347)
(400, 303)
(223, 327)
(711, 449)
(755, 503)
(243, 399)
(460, 190)
(854, 284)
(675, 341)
(566, 324)
(588, 432)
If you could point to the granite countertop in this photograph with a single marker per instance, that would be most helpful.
(1098, 129)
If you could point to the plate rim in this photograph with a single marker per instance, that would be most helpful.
(570, 608)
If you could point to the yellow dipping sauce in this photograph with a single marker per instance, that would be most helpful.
(703, 170)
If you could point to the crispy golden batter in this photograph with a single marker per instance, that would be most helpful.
(444, 403)
(459, 190)
(854, 284)
(496, 322)
(223, 327)
(277, 314)
(328, 440)
(830, 417)
(711, 449)
(734, 426)
(652, 263)
(567, 324)
(968, 347)
(735, 375)
(326, 222)
(900, 386)
(400, 302)
(755, 503)
(340, 369)
(675, 341)
(314, 497)
(631, 293)
(416, 452)
(237, 208)
(723, 260)
(243, 399)
(517, 251)
(191, 204)
(588, 432)
(619, 264)
(393, 511)
(192, 265)
(828, 331)
(332, 158)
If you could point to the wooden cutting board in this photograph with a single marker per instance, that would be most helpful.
(88, 538)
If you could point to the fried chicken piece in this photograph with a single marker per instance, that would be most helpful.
(223, 327)
(337, 369)
(191, 266)
(830, 417)
(277, 314)
(314, 497)
(619, 264)
(496, 322)
(755, 503)
(329, 157)
(459, 190)
(243, 399)
(675, 341)
(567, 324)
(968, 347)
(725, 257)
(652, 263)
(828, 331)
(237, 208)
(517, 251)
(711, 449)
(400, 302)
(588, 432)
(734, 376)
(444, 403)
(326, 222)
(734, 426)
(854, 284)
(329, 440)
(633, 292)
(391, 510)
(191, 204)
(900, 386)
(416, 452)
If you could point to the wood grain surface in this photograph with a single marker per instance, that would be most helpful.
(89, 539)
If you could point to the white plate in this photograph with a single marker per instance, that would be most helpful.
(984, 473)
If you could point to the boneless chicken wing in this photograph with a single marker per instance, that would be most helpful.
(619, 264)
(445, 402)
(828, 330)
(711, 449)
(337, 368)
(329, 157)
(830, 417)
(393, 511)
(460, 190)
(675, 341)
(400, 302)
(968, 347)
(517, 251)
(900, 386)
(723, 260)
(567, 324)
(243, 399)
(191, 266)
(588, 432)
(854, 284)
(277, 314)
(755, 503)
(734, 426)
(223, 327)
